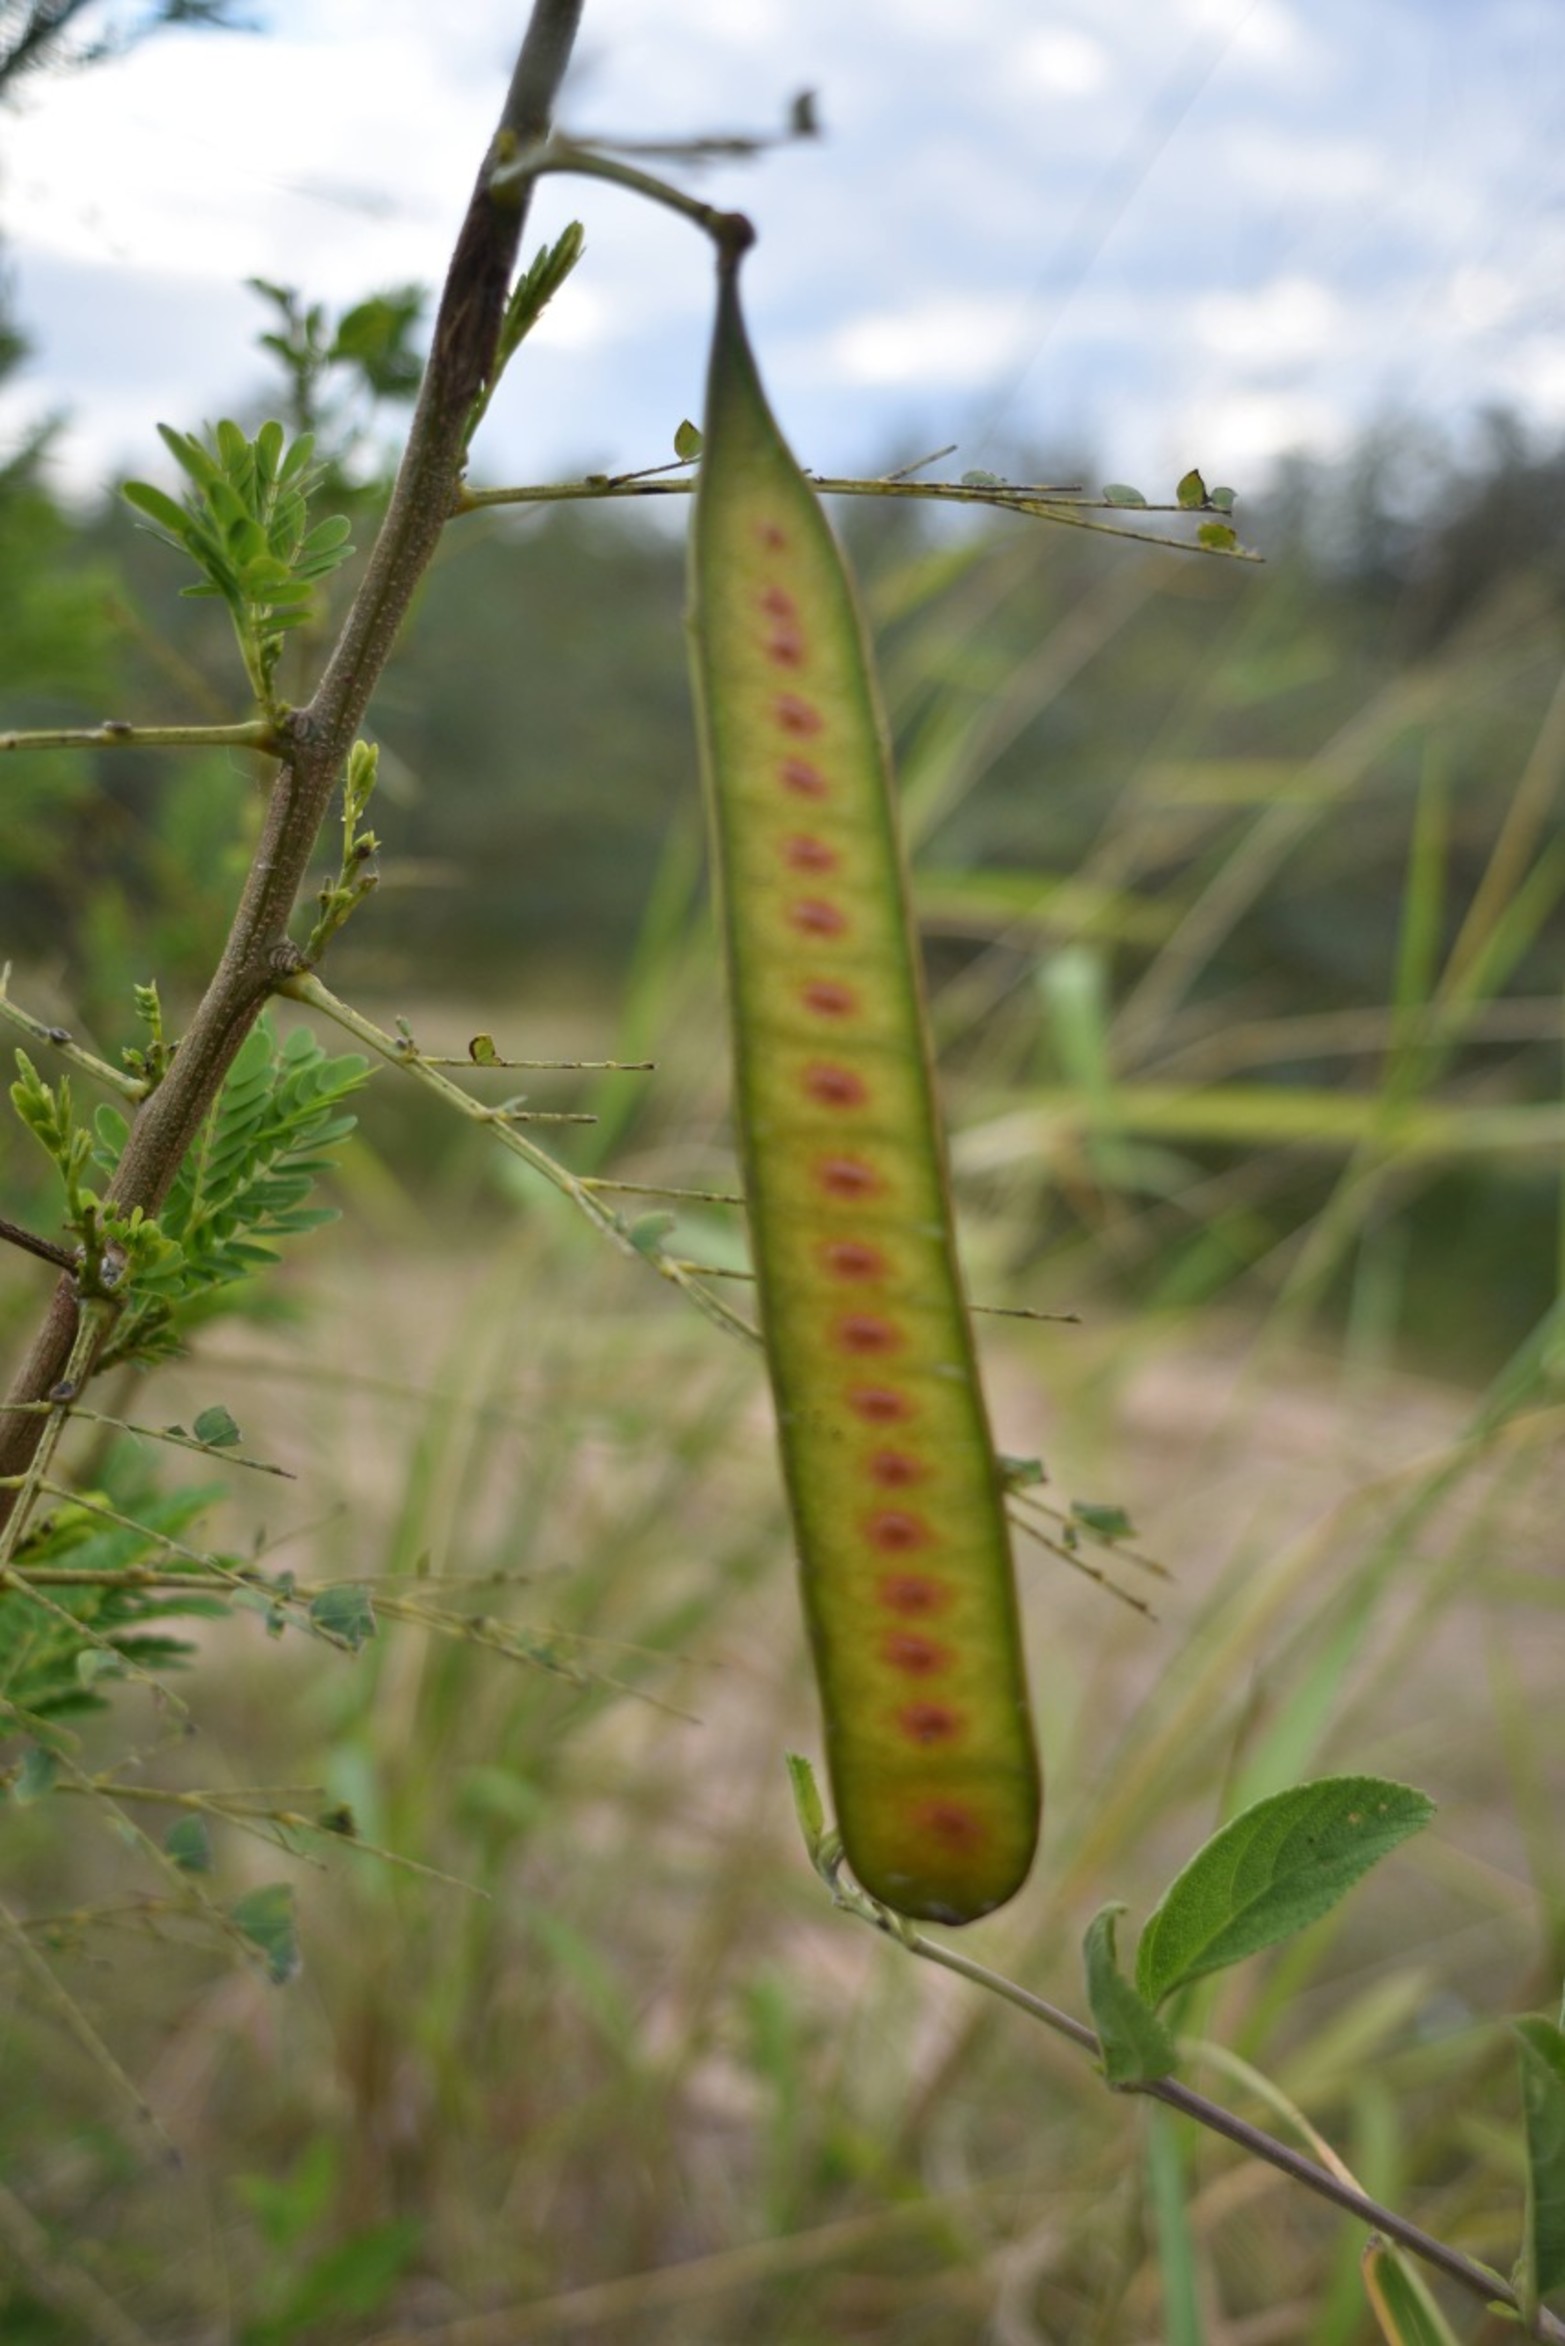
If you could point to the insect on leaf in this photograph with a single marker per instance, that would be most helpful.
(893, 1483)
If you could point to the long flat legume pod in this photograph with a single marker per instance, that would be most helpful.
(892, 1479)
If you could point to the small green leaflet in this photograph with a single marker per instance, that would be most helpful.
(1541, 2047)
(345, 1612)
(1104, 1522)
(266, 1918)
(1136, 2045)
(1269, 1873)
(189, 1844)
(216, 1428)
(36, 1776)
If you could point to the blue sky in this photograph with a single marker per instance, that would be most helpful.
(1206, 231)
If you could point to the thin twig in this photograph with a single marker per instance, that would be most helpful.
(700, 1197)
(62, 1257)
(257, 733)
(401, 1051)
(1039, 502)
(221, 1451)
(60, 1038)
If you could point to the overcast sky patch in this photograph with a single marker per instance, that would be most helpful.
(1206, 233)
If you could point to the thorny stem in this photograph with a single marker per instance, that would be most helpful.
(1478, 2280)
(314, 741)
(44, 1248)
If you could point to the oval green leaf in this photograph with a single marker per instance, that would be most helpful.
(1272, 1871)
(189, 1844)
(266, 1918)
(159, 508)
(344, 1611)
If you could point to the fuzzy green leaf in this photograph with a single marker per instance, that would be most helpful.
(1121, 493)
(1270, 1872)
(1104, 1522)
(345, 1611)
(1136, 2045)
(36, 1776)
(267, 1919)
(1217, 537)
(189, 1844)
(215, 1427)
(1541, 2046)
(1191, 490)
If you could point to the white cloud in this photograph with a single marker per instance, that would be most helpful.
(1339, 169)
(1062, 62)
(578, 318)
(1239, 435)
(1479, 299)
(1278, 328)
(1537, 376)
(1261, 37)
(957, 340)
(130, 163)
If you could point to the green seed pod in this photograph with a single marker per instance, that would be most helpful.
(892, 1478)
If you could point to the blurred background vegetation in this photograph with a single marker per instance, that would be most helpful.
(1240, 891)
